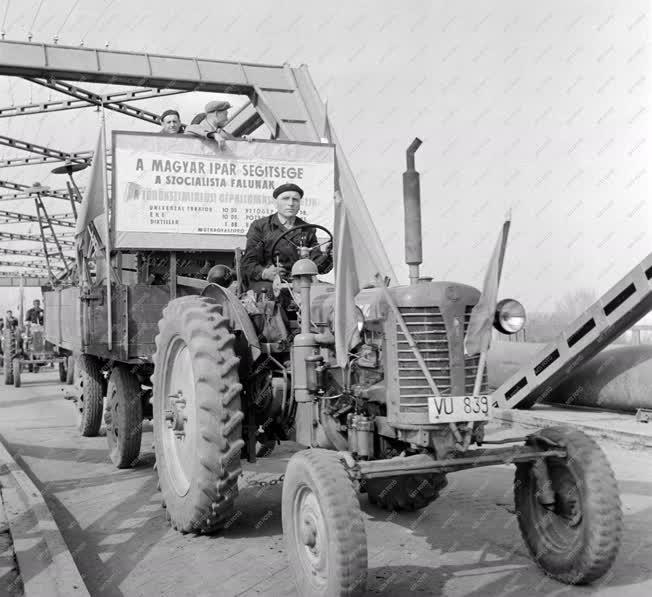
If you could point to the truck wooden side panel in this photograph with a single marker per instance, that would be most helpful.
(62, 318)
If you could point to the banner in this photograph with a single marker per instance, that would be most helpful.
(183, 185)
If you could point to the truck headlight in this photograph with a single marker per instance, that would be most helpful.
(510, 316)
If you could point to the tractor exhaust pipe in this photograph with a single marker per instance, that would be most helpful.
(412, 206)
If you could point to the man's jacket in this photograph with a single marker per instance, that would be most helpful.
(34, 316)
(203, 128)
(260, 239)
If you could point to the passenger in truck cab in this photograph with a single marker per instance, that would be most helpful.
(259, 266)
(171, 123)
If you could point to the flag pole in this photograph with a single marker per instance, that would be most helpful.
(107, 243)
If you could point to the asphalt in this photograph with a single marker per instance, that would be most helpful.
(467, 543)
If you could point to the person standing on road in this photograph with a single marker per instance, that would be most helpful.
(211, 127)
(258, 263)
(171, 123)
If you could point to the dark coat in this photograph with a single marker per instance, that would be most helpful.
(260, 239)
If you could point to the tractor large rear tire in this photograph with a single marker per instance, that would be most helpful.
(123, 417)
(197, 415)
(409, 493)
(90, 394)
(575, 540)
(324, 531)
(10, 349)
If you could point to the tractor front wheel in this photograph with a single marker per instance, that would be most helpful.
(197, 416)
(123, 417)
(573, 525)
(323, 527)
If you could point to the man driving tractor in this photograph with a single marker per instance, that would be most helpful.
(259, 266)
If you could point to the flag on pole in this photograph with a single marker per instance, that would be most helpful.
(346, 283)
(93, 201)
(478, 334)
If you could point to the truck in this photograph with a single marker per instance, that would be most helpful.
(215, 367)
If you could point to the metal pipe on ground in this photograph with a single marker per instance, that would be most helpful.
(618, 378)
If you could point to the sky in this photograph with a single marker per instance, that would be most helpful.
(537, 108)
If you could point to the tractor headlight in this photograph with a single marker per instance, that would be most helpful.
(510, 316)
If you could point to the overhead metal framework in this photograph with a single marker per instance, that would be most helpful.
(76, 104)
(16, 186)
(21, 217)
(39, 149)
(14, 236)
(98, 100)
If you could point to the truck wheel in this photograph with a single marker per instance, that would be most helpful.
(70, 370)
(90, 394)
(196, 415)
(123, 417)
(10, 348)
(411, 492)
(575, 539)
(63, 371)
(16, 371)
(323, 527)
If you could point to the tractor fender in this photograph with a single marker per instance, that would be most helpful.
(237, 315)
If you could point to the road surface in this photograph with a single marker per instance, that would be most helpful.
(465, 544)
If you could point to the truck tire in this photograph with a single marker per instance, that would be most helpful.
(70, 370)
(576, 539)
(90, 394)
(16, 372)
(323, 528)
(10, 348)
(63, 371)
(123, 417)
(408, 493)
(197, 415)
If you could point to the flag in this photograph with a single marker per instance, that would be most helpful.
(347, 285)
(359, 255)
(93, 201)
(478, 334)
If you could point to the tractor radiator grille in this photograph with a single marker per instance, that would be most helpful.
(428, 329)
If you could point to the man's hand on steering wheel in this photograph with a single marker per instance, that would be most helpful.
(324, 246)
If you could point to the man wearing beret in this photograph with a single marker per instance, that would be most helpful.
(211, 126)
(259, 266)
(171, 122)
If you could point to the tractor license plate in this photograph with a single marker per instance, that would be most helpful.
(454, 409)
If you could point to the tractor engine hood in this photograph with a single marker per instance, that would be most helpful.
(374, 307)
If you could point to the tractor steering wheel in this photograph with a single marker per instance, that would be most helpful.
(300, 227)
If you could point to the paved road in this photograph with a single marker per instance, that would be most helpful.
(465, 544)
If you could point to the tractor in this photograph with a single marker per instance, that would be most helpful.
(403, 412)
(221, 369)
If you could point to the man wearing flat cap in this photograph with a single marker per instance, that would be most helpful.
(259, 266)
(211, 126)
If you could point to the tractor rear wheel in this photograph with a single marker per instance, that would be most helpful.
(197, 416)
(123, 417)
(575, 538)
(10, 349)
(90, 394)
(16, 370)
(411, 492)
(323, 527)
